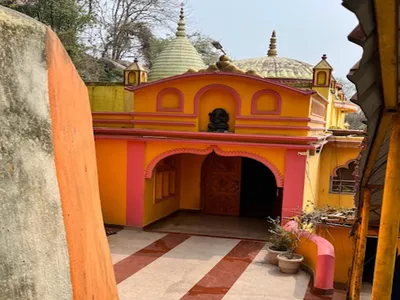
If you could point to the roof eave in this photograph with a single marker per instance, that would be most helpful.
(238, 75)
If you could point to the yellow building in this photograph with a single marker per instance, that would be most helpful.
(258, 137)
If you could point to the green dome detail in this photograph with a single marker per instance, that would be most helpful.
(178, 57)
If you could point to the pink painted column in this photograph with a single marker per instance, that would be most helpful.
(295, 173)
(135, 184)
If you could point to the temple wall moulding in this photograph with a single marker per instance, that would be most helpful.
(273, 103)
(177, 103)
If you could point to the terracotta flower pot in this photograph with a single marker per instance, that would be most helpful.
(272, 255)
(289, 266)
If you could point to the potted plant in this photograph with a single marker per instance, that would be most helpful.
(289, 262)
(280, 240)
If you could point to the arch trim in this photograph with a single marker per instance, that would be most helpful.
(256, 97)
(345, 166)
(277, 174)
(232, 91)
(172, 90)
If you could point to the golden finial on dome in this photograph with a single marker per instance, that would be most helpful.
(181, 24)
(272, 45)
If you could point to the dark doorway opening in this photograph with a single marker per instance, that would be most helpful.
(239, 186)
(259, 196)
(369, 267)
(369, 261)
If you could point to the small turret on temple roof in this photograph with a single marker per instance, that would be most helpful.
(178, 57)
(323, 64)
(135, 74)
(323, 74)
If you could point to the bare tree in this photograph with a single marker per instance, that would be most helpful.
(125, 24)
(356, 119)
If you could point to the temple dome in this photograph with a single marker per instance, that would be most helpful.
(272, 66)
(178, 57)
(277, 67)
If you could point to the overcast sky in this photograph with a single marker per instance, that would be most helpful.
(305, 29)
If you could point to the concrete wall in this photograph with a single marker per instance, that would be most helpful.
(52, 239)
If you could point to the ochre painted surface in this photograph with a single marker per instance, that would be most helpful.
(331, 158)
(92, 273)
(311, 182)
(106, 97)
(344, 249)
(310, 252)
(190, 181)
(155, 211)
(216, 98)
(112, 171)
(233, 94)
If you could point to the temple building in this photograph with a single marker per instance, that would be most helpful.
(261, 137)
(258, 118)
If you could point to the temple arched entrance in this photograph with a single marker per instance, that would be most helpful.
(239, 186)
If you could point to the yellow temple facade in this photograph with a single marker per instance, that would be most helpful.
(234, 138)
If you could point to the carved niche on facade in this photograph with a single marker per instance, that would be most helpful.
(218, 120)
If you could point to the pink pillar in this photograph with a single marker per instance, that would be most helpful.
(295, 172)
(135, 184)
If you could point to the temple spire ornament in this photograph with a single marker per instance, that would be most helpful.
(181, 30)
(272, 45)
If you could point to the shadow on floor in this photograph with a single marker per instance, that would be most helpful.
(197, 223)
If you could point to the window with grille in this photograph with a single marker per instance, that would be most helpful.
(344, 181)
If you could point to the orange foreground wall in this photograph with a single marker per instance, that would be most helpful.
(91, 269)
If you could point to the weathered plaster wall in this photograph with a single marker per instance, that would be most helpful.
(34, 261)
(106, 97)
(52, 239)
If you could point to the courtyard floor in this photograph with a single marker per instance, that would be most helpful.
(198, 223)
(196, 256)
(150, 266)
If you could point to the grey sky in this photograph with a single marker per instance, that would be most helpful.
(305, 28)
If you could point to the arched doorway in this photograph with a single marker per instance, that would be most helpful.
(260, 197)
(239, 186)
